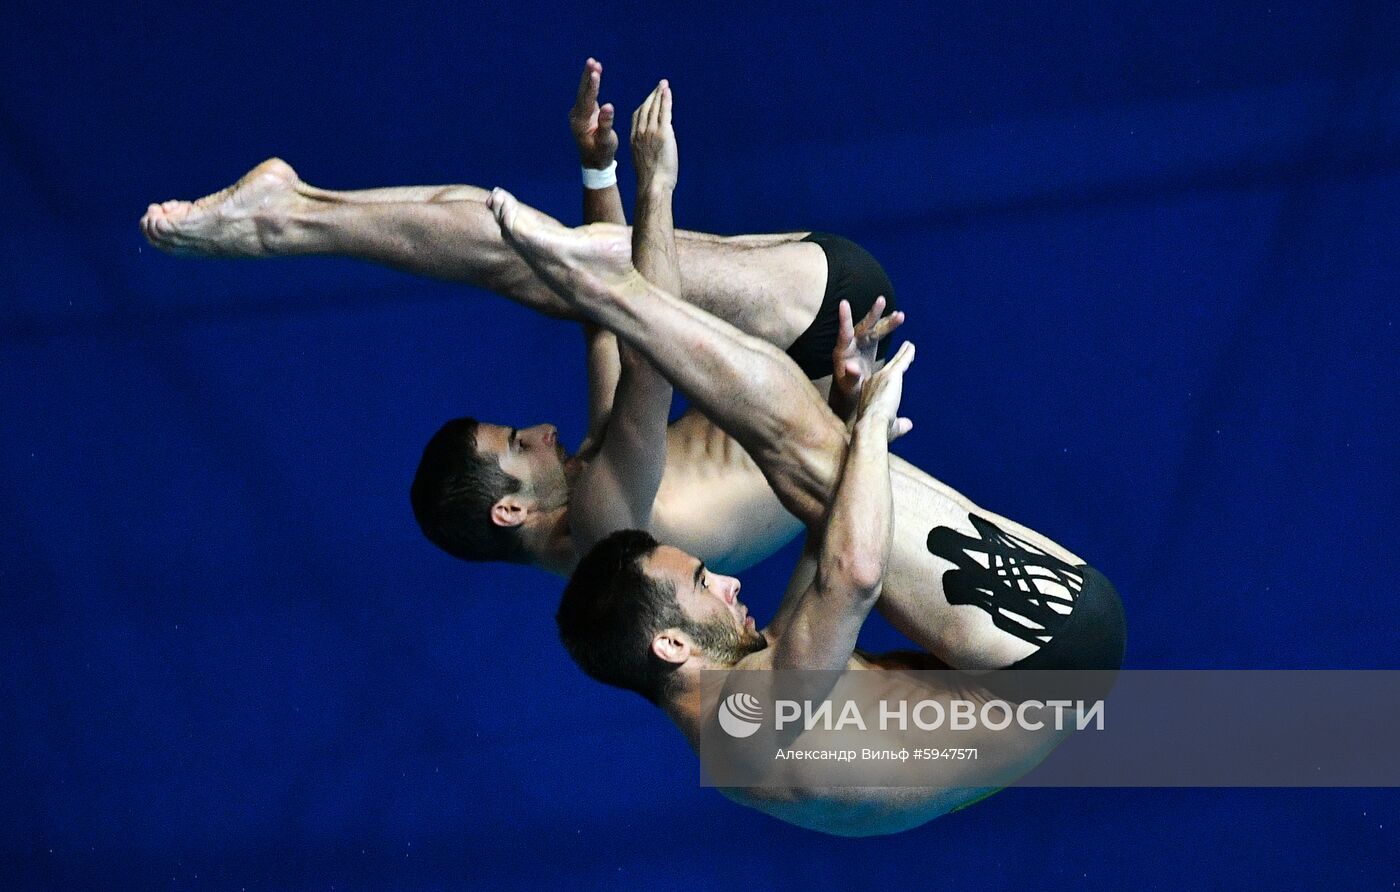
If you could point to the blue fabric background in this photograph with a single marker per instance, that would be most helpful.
(1148, 254)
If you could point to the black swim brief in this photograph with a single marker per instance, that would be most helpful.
(996, 571)
(851, 275)
(1092, 636)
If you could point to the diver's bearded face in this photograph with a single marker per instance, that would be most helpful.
(715, 620)
(722, 642)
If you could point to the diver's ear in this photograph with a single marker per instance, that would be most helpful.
(510, 511)
(672, 646)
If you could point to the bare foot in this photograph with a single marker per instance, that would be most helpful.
(578, 264)
(239, 221)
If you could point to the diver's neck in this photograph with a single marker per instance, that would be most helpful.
(684, 712)
(684, 708)
(551, 545)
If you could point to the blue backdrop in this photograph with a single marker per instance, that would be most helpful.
(1148, 253)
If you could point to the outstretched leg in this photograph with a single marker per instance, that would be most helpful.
(752, 389)
(768, 286)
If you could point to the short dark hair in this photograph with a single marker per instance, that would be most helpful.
(610, 611)
(453, 492)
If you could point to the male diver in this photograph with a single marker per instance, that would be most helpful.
(495, 492)
(979, 591)
(975, 590)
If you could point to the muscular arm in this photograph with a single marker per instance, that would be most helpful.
(604, 372)
(592, 127)
(603, 205)
(818, 624)
(619, 487)
(655, 157)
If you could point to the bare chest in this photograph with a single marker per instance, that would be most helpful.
(714, 503)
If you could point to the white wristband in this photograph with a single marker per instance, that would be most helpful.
(594, 178)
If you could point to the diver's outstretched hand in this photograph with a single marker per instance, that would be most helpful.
(853, 360)
(591, 123)
(654, 142)
(882, 393)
